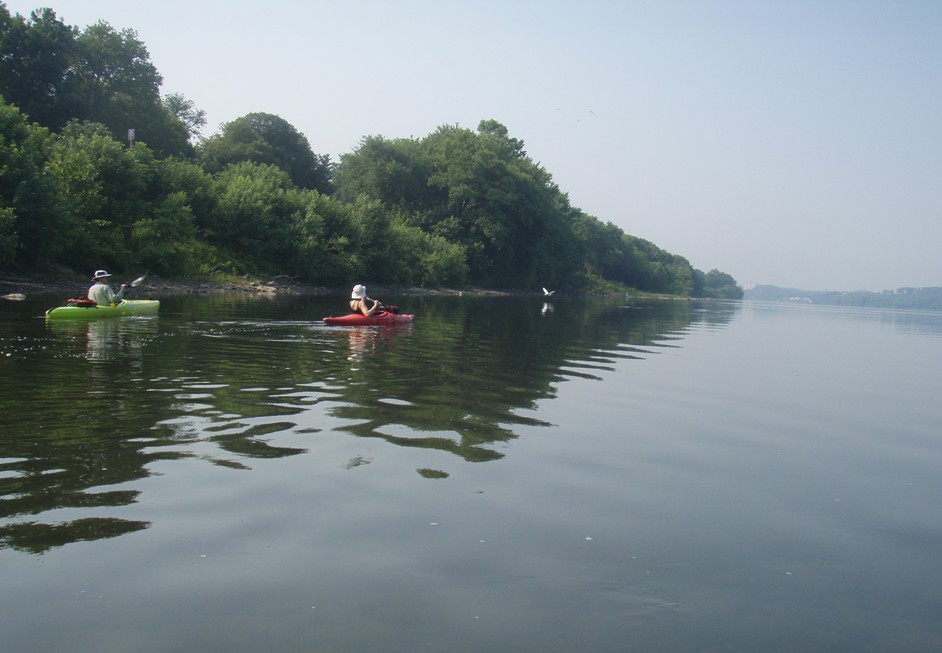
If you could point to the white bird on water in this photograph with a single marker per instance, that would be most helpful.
(548, 292)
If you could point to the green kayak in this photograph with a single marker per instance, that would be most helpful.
(126, 307)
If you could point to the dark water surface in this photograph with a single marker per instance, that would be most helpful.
(502, 475)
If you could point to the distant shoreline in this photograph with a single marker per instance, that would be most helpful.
(925, 298)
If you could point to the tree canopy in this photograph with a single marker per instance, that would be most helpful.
(55, 73)
(453, 208)
(270, 139)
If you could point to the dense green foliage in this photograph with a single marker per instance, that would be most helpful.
(55, 73)
(265, 138)
(456, 207)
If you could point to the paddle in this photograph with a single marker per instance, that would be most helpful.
(133, 284)
(136, 282)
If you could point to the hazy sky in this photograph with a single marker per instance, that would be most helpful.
(795, 143)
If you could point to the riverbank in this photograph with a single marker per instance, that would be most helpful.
(15, 286)
(73, 287)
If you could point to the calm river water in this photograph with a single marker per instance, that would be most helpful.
(503, 475)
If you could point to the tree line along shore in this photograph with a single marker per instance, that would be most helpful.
(103, 171)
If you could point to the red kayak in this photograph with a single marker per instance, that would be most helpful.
(358, 319)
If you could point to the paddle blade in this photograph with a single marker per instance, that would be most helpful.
(138, 281)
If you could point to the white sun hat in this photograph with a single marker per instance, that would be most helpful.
(359, 292)
(101, 274)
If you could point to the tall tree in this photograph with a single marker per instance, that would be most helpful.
(120, 88)
(389, 170)
(720, 284)
(499, 204)
(255, 217)
(185, 111)
(265, 138)
(327, 240)
(35, 59)
(105, 187)
(479, 191)
(56, 73)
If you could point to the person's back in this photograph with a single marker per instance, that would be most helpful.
(358, 301)
(101, 293)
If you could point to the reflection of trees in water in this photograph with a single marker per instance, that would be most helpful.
(71, 433)
(58, 465)
(413, 391)
(38, 538)
(236, 389)
(439, 389)
(464, 383)
(98, 403)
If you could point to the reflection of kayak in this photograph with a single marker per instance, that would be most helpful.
(358, 319)
(127, 307)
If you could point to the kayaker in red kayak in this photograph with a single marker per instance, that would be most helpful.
(363, 314)
(101, 293)
(358, 300)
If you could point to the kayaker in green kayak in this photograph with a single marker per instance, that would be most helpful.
(358, 301)
(101, 293)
